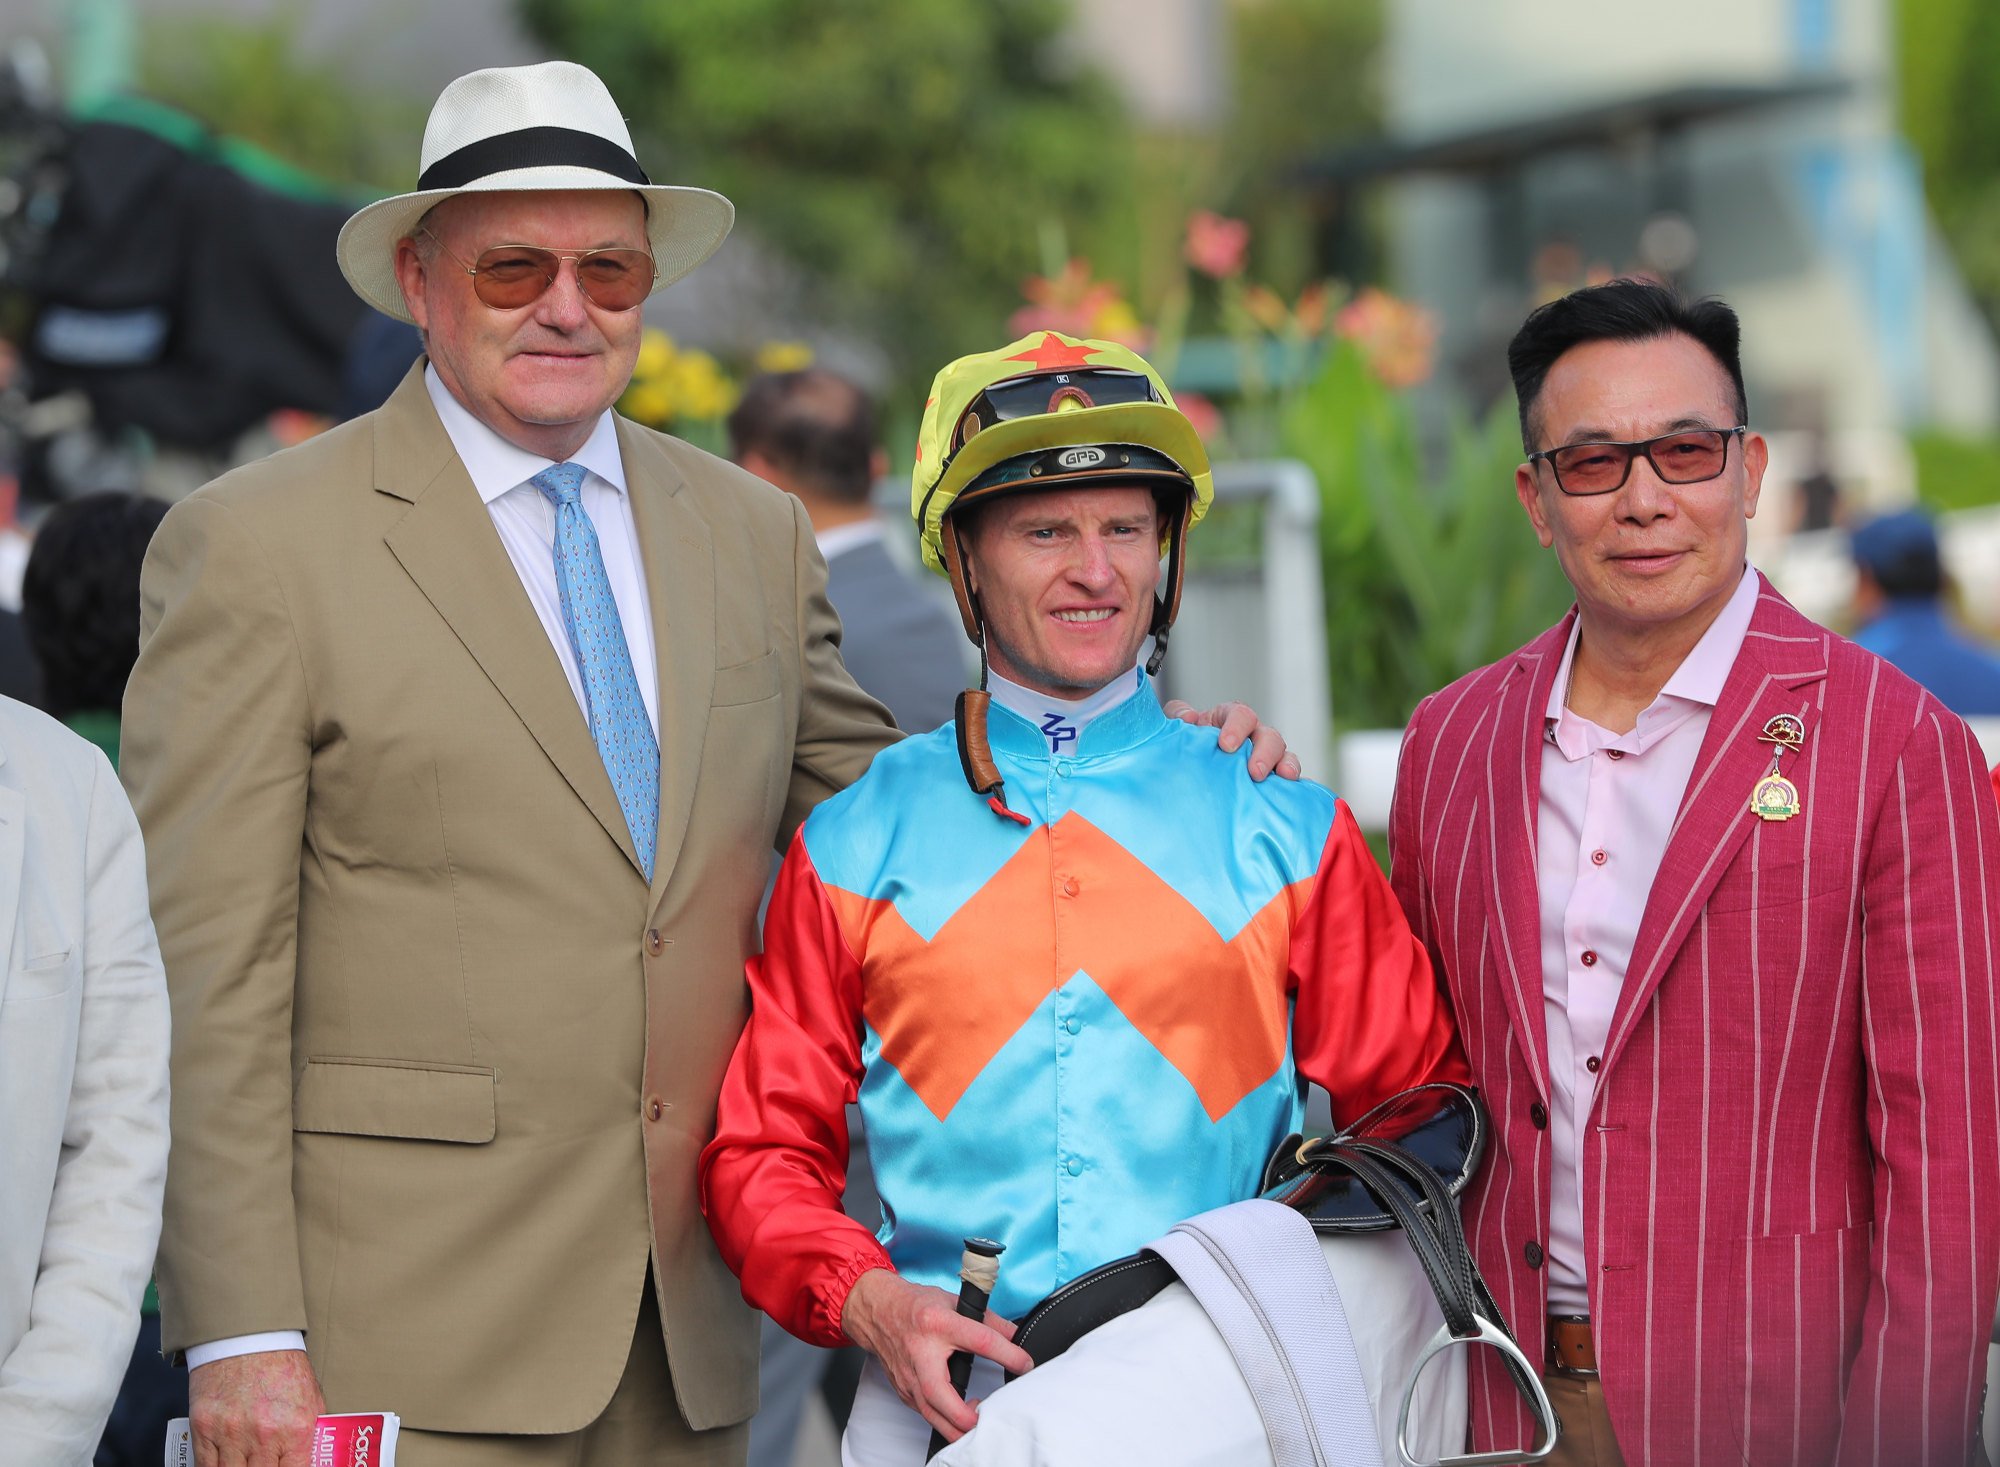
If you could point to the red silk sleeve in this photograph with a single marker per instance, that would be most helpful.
(1369, 1018)
(771, 1179)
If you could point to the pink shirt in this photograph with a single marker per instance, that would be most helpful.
(1608, 804)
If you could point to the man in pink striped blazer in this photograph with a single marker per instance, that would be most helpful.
(1717, 897)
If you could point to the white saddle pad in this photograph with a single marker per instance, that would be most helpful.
(1158, 1385)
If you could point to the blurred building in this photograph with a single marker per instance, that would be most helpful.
(1742, 147)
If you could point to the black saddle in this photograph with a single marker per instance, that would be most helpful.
(1403, 1165)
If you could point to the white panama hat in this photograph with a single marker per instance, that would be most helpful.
(550, 126)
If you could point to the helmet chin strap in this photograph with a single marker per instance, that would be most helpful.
(975, 753)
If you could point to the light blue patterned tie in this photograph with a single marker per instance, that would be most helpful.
(617, 713)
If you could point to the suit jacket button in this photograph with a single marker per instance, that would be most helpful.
(654, 1108)
(1538, 1116)
(1533, 1253)
(655, 944)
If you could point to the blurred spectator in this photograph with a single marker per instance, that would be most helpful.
(80, 600)
(1899, 609)
(18, 678)
(14, 543)
(812, 433)
(83, 1090)
(379, 353)
(1816, 493)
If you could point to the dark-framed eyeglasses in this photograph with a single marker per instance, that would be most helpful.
(509, 276)
(1691, 456)
(1038, 393)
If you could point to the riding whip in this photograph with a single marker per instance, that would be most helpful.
(978, 1272)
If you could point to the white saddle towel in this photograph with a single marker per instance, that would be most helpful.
(1159, 1386)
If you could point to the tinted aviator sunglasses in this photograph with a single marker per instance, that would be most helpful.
(1692, 456)
(507, 277)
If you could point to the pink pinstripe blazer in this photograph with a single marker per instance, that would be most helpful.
(1792, 1165)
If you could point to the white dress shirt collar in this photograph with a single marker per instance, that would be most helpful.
(497, 466)
(1063, 720)
(851, 536)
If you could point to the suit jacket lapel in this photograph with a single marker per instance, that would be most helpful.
(1783, 657)
(677, 556)
(447, 545)
(13, 843)
(1513, 802)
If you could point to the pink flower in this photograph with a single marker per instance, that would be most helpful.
(1311, 311)
(1395, 336)
(1203, 414)
(1216, 246)
(1076, 304)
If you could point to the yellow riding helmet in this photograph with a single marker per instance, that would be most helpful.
(995, 418)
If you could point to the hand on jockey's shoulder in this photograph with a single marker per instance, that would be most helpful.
(1239, 721)
(913, 1329)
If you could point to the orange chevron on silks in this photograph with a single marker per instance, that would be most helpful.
(1067, 1034)
(1217, 1009)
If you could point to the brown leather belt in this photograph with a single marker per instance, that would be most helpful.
(1570, 1349)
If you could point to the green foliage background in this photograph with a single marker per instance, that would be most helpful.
(246, 78)
(1948, 86)
(904, 151)
(1430, 567)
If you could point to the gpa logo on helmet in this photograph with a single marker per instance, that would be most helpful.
(1081, 458)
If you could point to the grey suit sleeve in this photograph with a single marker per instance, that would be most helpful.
(217, 751)
(57, 1384)
(901, 645)
(841, 729)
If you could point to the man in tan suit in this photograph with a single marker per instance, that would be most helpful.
(461, 737)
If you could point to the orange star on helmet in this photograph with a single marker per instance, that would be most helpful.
(1054, 353)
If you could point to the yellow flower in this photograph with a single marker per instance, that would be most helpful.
(700, 389)
(1115, 320)
(1265, 308)
(783, 356)
(648, 403)
(656, 349)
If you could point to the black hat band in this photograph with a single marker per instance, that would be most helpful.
(531, 147)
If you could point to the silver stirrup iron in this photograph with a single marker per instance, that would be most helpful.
(1489, 1334)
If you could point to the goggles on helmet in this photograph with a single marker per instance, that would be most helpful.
(1040, 393)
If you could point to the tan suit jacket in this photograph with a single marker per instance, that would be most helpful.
(442, 1062)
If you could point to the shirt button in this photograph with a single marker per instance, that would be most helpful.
(1616, 753)
(1538, 1116)
(1598, 858)
(1593, 1064)
(1072, 1025)
(1589, 958)
(654, 1109)
(1063, 768)
(1533, 1253)
(655, 944)
(1075, 1167)
(1069, 886)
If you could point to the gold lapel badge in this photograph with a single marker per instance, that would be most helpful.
(1775, 797)
(1787, 731)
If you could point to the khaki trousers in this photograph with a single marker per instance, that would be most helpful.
(1586, 1439)
(641, 1427)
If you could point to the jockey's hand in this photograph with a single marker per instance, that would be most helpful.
(913, 1330)
(1239, 721)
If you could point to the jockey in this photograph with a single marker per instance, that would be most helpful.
(1075, 965)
